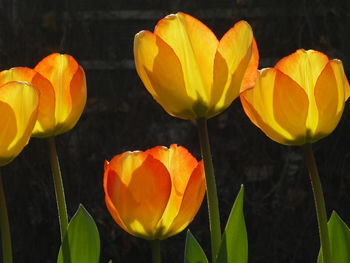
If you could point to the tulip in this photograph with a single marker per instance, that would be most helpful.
(154, 194)
(18, 110)
(189, 72)
(300, 100)
(66, 104)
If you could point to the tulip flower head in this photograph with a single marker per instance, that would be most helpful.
(300, 100)
(189, 72)
(154, 194)
(18, 110)
(68, 81)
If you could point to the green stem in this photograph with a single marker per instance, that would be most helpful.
(155, 247)
(59, 190)
(319, 202)
(212, 197)
(5, 227)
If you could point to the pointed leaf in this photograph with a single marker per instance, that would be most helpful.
(234, 243)
(339, 238)
(81, 243)
(193, 250)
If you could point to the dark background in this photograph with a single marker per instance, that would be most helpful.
(120, 115)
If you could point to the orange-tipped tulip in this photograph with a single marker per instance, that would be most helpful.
(18, 110)
(68, 81)
(154, 194)
(300, 100)
(189, 72)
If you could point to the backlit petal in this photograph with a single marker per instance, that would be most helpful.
(192, 200)
(180, 164)
(139, 207)
(195, 46)
(235, 67)
(264, 105)
(304, 67)
(161, 72)
(290, 104)
(330, 98)
(46, 111)
(19, 107)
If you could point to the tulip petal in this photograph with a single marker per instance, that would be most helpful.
(290, 104)
(272, 104)
(19, 103)
(46, 111)
(180, 164)
(195, 46)
(78, 95)
(139, 207)
(235, 66)
(161, 72)
(108, 188)
(191, 202)
(63, 71)
(304, 67)
(342, 81)
(8, 130)
(330, 98)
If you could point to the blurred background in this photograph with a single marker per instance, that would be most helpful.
(120, 115)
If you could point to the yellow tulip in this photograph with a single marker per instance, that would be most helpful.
(189, 72)
(18, 110)
(69, 84)
(300, 100)
(154, 194)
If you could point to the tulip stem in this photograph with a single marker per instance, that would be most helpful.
(5, 227)
(59, 190)
(155, 247)
(212, 197)
(319, 202)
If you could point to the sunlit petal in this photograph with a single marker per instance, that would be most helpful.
(19, 107)
(195, 46)
(160, 70)
(46, 111)
(180, 164)
(236, 64)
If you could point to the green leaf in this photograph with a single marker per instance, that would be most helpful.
(81, 243)
(193, 250)
(234, 243)
(339, 238)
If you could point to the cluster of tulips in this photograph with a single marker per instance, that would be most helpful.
(155, 194)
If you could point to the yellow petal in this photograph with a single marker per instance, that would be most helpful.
(274, 104)
(342, 81)
(68, 80)
(304, 67)
(195, 46)
(330, 98)
(160, 71)
(290, 103)
(19, 105)
(139, 187)
(46, 111)
(180, 164)
(191, 202)
(235, 66)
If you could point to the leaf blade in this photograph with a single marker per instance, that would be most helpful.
(81, 243)
(234, 243)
